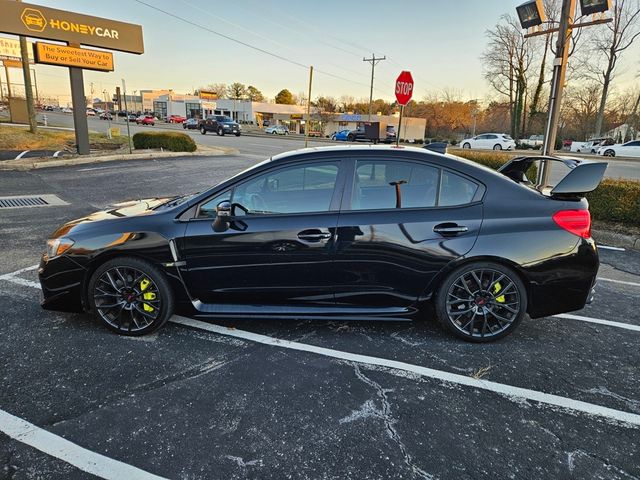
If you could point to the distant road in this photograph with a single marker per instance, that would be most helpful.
(268, 145)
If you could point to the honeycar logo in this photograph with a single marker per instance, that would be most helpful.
(33, 19)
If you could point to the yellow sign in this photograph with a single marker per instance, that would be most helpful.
(208, 95)
(73, 57)
(114, 131)
(10, 49)
(12, 63)
(296, 116)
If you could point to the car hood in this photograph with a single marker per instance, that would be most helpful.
(133, 208)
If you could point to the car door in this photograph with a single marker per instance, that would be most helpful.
(277, 249)
(479, 142)
(632, 149)
(401, 222)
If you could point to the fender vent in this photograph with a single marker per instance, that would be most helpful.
(32, 201)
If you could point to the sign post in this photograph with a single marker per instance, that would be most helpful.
(404, 91)
(74, 29)
(126, 113)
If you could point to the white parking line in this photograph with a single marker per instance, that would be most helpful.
(18, 272)
(55, 154)
(626, 326)
(618, 281)
(22, 154)
(508, 390)
(79, 457)
(607, 247)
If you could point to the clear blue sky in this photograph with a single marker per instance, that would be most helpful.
(440, 42)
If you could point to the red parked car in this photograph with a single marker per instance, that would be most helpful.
(176, 119)
(146, 120)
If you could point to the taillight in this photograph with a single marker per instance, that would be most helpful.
(577, 222)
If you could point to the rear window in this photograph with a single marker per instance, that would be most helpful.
(456, 190)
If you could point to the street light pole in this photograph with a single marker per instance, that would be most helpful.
(563, 45)
(26, 72)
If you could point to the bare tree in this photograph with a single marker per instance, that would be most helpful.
(507, 59)
(581, 107)
(610, 42)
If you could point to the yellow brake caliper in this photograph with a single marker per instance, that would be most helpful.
(144, 284)
(496, 288)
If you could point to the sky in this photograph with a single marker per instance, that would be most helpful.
(440, 42)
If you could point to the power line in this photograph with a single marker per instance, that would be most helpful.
(245, 44)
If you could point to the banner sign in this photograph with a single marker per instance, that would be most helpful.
(10, 49)
(74, 57)
(52, 24)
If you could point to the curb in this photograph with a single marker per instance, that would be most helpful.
(34, 163)
(614, 239)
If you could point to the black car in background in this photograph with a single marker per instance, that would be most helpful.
(360, 232)
(220, 124)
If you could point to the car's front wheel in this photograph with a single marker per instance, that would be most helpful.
(466, 145)
(203, 130)
(130, 296)
(497, 146)
(221, 131)
(609, 153)
(481, 302)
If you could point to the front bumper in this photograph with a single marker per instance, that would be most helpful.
(62, 281)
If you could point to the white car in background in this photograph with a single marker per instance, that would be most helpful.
(490, 141)
(277, 130)
(629, 149)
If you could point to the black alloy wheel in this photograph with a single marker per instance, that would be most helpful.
(481, 302)
(131, 296)
(203, 130)
(221, 131)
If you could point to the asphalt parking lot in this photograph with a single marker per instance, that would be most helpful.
(559, 398)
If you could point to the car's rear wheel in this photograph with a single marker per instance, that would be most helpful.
(609, 153)
(497, 146)
(130, 296)
(466, 145)
(203, 130)
(481, 302)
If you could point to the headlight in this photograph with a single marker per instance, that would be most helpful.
(57, 246)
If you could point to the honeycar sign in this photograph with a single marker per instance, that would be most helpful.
(52, 24)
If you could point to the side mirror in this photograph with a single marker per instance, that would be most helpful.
(223, 216)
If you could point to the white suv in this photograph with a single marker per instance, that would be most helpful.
(490, 141)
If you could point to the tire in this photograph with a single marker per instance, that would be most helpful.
(500, 298)
(220, 131)
(609, 153)
(184, 126)
(237, 134)
(497, 146)
(142, 298)
(203, 130)
(351, 138)
(274, 133)
(466, 145)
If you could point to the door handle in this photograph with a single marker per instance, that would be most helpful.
(313, 235)
(450, 229)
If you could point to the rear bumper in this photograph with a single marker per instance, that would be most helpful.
(567, 284)
(62, 284)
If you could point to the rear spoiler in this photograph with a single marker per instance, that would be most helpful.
(584, 175)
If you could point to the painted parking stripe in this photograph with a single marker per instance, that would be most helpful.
(69, 452)
(22, 154)
(18, 272)
(55, 154)
(600, 321)
(621, 282)
(607, 247)
(507, 390)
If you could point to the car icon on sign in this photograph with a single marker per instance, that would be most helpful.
(33, 19)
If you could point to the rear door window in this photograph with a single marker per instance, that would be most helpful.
(456, 190)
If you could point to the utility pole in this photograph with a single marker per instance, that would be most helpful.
(563, 44)
(374, 61)
(308, 124)
(31, 110)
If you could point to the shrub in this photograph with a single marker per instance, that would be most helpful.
(172, 141)
(616, 201)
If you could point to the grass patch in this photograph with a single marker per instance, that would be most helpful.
(19, 138)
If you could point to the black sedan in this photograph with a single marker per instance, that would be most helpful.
(361, 232)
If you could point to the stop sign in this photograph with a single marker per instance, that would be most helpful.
(404, 87)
